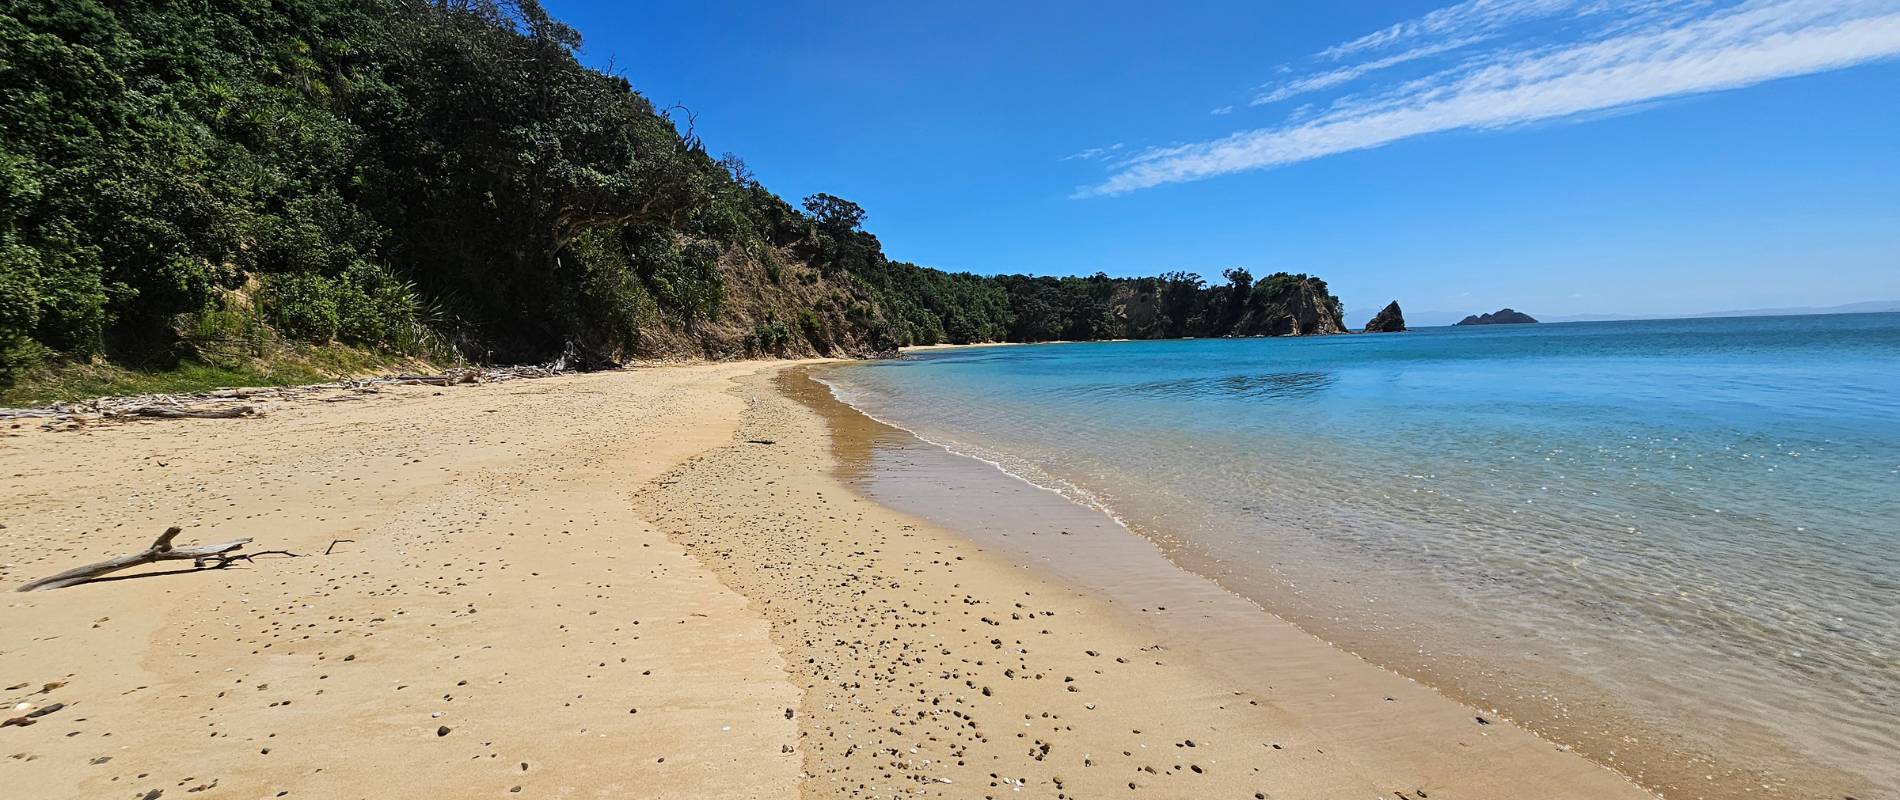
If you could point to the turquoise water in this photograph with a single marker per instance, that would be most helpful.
(1696, 521)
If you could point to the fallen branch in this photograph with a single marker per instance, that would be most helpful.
(161, 550)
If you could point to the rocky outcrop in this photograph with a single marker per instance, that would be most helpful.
(1289, 305)
(1388, 320)
(1280, 304)
(1501, 317)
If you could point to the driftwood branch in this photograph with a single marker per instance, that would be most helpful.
(232, 412)
(161, 550)
(256, 401)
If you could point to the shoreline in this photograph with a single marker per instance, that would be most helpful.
(925, 348)
(1730, 759)
(684, 595)
(921, 642)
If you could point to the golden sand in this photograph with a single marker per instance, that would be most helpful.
(650, 583)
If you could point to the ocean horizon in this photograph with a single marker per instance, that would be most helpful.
(1687, 526)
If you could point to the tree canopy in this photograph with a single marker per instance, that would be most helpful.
(445, 176)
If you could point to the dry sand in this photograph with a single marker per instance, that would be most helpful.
(600, 586)
(499, 586)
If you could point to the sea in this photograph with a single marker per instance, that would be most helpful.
(1673, 534)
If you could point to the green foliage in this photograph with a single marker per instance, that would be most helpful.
(769, 337)
(835, 214)
(303, 305)
(365, 306)
(605, 302)
(185, 179)
(685, 281)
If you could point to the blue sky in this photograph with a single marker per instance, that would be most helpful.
(1555, 156)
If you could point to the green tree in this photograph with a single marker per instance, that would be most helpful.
(834, 213)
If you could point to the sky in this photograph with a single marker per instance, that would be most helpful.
(1554, 156)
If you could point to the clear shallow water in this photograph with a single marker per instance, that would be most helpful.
(1694, 524)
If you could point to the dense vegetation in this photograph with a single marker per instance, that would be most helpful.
(190, 183)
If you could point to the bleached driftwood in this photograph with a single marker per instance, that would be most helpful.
(231, 412)
(161, 550)
(244, 403)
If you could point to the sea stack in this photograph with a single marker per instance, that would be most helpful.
(1503, 316)
(1388, 320)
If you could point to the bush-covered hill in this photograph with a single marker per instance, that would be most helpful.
(190, 182)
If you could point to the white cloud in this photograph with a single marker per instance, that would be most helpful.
(1466, 18)
(1222, 111)
(1336, 77)
(1740, 44)
(1093, 153)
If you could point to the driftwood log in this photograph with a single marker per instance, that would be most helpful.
(161, 550)
(255, 401)
(232, 412)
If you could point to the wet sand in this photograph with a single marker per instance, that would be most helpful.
(1217, 609)
(935, 661)
(656, 583)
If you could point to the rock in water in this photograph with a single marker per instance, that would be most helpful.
(1388, 320)
(1502, 317)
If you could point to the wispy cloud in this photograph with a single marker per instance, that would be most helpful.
(1632, 52)
(1469, 17)
(1093, 153)
(1343, 75)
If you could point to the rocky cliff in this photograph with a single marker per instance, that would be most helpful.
(1298, 307)
(1388, 320)
(1281, 304)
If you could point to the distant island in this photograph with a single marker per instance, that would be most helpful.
(1503, 316)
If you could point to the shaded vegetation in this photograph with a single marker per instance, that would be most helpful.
(200, 186)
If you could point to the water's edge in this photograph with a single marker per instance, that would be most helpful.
(1591, 723)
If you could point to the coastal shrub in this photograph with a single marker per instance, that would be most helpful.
(227, 332)
(684, 281)
(774, 269)
(769, 336)
(376, 308)
(302, 305)
(605, 303)
(366, 305)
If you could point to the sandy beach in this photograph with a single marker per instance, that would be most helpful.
(649, 583)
